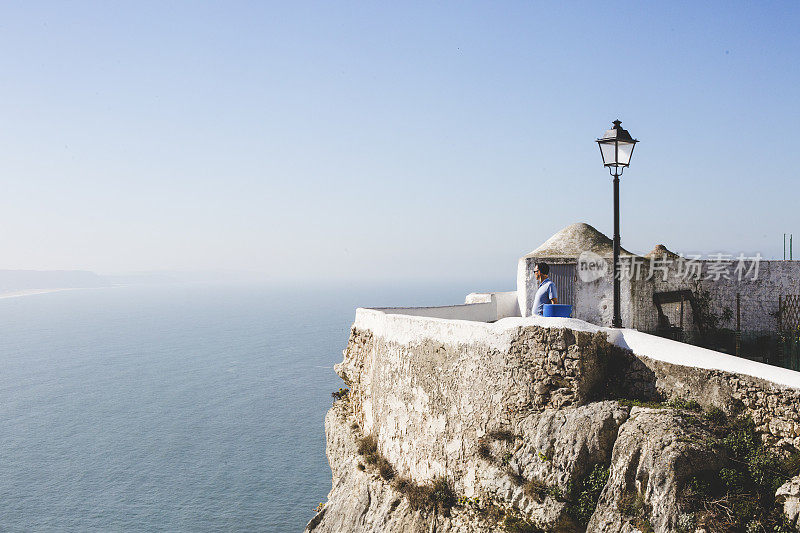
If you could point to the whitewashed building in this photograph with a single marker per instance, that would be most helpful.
(662, 289)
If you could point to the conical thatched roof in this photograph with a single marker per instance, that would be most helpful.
(660, 251)
(574, 239)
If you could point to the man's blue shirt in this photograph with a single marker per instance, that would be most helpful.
(545, 293)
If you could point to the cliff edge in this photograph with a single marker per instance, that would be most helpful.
(552, 425)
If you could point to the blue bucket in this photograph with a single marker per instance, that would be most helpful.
(559, 310)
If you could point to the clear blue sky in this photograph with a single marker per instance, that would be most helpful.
(392, 140)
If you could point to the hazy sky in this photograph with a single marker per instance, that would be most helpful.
(388, 140)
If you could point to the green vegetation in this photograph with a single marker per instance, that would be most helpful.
(737, 498)
(538, 491)
(740, 497)
(680, 403)
(509, 518)
(582, 499)
(715, 415)
(791, 464)
(340, 394)
(514, 523)
(585, 494)
(544, 457)
(627, 402)
(675, 403)
(463, 501)
(708, 320)
(556, 494)
(632, 505)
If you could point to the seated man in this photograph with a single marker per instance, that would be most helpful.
(547, 293)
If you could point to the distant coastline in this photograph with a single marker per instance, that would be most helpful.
(31, 292)
(17, 283)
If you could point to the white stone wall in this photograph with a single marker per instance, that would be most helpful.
(505, 303)
(478, 312)
(594, 299)
(429, 388)
(478, 307)
(758, 298)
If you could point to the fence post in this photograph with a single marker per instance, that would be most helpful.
(738, 325)
(781, 337)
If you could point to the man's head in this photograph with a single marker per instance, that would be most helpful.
(541, 271)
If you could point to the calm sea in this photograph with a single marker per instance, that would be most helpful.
(173, 408)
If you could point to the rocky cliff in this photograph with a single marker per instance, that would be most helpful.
(551, 425)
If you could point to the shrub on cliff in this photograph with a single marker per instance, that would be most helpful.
(368, 448)
(367, 445)
(740, 496)
(632, 505)
(514, 523)
(586, 493)
(385, 468)
(340, 394)
(484, 452)
(436, 496)
(503, 435)
(536, 490)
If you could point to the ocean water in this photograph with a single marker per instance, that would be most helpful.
(173, 408)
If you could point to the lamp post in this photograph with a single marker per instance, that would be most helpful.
(616, 147)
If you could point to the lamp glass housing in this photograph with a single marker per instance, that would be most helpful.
(616, 146)
(609, 153)
(624, 153)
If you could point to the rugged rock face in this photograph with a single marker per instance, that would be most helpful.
(656, 450)
(650, 451)
(362, 501)
(554, 450)
(531, 428)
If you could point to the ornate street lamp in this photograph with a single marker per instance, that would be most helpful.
(616, 147)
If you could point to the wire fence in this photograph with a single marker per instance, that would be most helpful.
(774, 348)
(727, 325)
